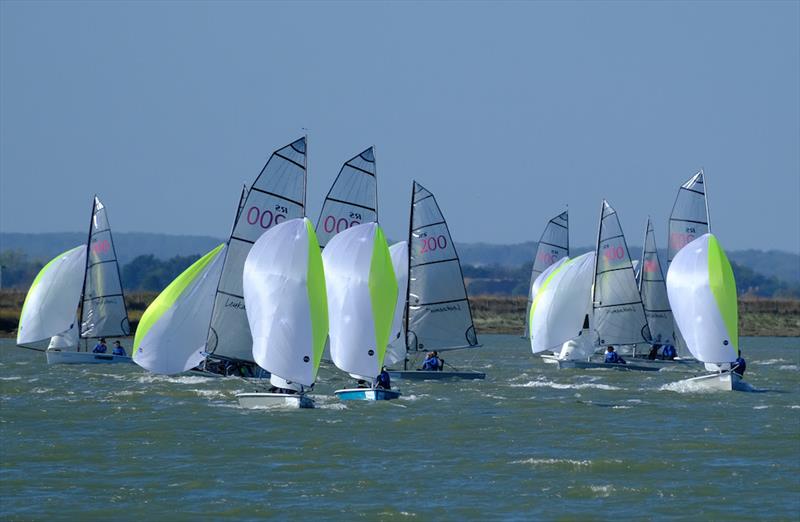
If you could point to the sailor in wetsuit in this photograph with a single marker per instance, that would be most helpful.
(739, 365)
(613, 357)
(118, 349)
(101, 347)
(383, 381)
(668, 353)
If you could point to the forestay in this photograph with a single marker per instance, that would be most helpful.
(689, 218)
(439, 315)
(553, 245)
(562, 302)
(284, 290)
(618, 313)
(352, 199)
(653, 290)
(53, 298)
(362, 297)
(278, 194)
(171, 336)
(702, 293)
(103, 311)
(396, 351)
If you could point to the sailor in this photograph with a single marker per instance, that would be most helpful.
(118, 349)
(441, 361)
(101, 347)
(654, 351)
(431, 362)
(613, 357)
(669, 352)
(383, 381)
(739, 365)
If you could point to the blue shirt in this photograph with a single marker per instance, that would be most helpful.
(100, 348)
(669, 352)
(739, 366)
(119, 350)
(612, 357)
(384, 381)
(431, 364)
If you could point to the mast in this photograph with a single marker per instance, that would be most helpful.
(85, 269)
(408, 286)
(640, 277)
(597, 249)
(705, 197)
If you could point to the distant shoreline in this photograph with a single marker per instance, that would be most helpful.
(492, 314)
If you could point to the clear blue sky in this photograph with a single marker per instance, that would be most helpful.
(506, 111)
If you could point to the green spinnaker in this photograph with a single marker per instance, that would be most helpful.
(723, 287)
(317, 297)
(382, 291)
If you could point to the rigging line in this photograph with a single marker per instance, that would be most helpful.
(439, 302)
(434, 262)
(559, 224)
(429, 225)
(552, 245)
(290, 160)
(290, 200)
(360, 169)
(423, 199)
(223, 292)
(689, 221)
(351, 203)
(615, 269)
(693, 190)
(100, 263)
(612, 237)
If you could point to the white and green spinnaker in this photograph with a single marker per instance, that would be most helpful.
(171, 336)
(362, 298)
(287, 307)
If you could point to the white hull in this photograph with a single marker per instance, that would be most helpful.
(274, 400)
(726, 381)
(59, 357)
(549, 358)
(571, 364)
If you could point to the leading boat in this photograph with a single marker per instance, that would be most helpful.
(86, 278)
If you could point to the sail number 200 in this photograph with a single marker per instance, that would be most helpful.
(266, 218)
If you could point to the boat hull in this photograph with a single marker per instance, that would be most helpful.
(567, 364)
(424, 375)
(549, 358)
(366, 394)
(274, 400)
(59, 357)
(726, 381)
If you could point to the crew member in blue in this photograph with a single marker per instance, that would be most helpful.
(432, 363)
(739, 366)
(101, 347)
(118, 349)
(668, 353)
(383, 381)
(613, 357)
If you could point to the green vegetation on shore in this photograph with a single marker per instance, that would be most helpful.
(492, 314)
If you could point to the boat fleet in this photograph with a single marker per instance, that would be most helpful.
(282, 295)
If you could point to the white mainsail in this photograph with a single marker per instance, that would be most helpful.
(284, 290)
(553, 245)
(653, 290)
(278, 194)
(562, 302)
(53, 298)
(439, 315)
(689, 218)
(362, 298)
(396, 351)
(171, 335)
(702, 292)
(352, 199)
(618, 313)
(103, 310)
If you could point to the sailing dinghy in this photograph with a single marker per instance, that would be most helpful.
(553, 245)
(362, 298)
(438, 314)
(85, 278)
(702, 291)
(284, 290)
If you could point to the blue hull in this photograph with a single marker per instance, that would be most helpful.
(366, 394)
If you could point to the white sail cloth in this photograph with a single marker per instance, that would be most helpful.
(396, 352)
(553, 245)
(52, 300)
(653, 289)
(689, 217)
(362, 297)
(562, 303)
(284, 291)
(702, 292)
(171, 336)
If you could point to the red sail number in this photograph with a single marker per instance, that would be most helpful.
(430, 244)
(264, 218)
(330, 224)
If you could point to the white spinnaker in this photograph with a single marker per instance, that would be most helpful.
(540, 281)
(702, 293)
(284, 290)
(103, 311)
(618, 313)
(396, 352)
(352, 199)
(552, 246)
(171, 336)
(362, 297)
(278, 194)
(689, 218)
(52, 301)
(439, 315)
(562, 303)
(653, 290)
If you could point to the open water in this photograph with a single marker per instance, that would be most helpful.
(530, 442)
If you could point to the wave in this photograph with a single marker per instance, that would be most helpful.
(560, 386)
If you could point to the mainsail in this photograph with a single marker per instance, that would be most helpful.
(689, 218)
(439, 315)
(352, 199)
(278, 194)
(653, 290)
(618, 313)
(553, 245)
(284, 289)
(362, 298)
(702, 292)
(103, 311)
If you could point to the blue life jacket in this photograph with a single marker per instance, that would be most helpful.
(118, 350)
(100, 348)
(612, 357)
(384, 381)
(669, 352)
(431, 364)
(739, 366)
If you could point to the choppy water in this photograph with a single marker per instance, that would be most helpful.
(529, 442)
